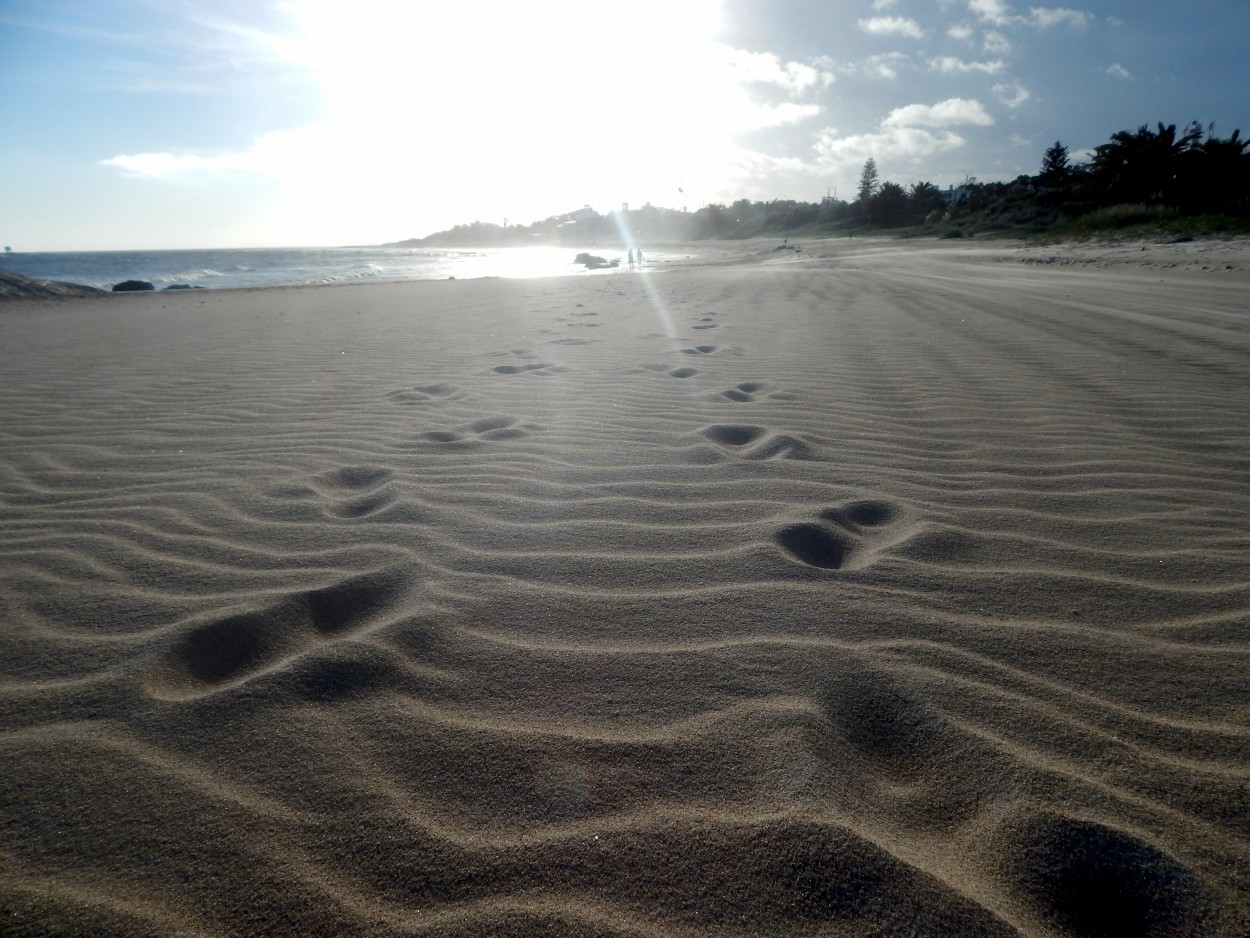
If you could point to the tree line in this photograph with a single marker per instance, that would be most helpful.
(1141, 173)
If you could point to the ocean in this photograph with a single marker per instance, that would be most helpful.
(263, 267)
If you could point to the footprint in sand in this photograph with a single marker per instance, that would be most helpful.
(1086, 878)
(698, 350)
(356, 491)
(749, 391)
(483, 430)
(227, 650)
(750, 442)
(841, 537)
(425, 394)
(706, 322)
(666, 369)
(530, 368)
(570, 341)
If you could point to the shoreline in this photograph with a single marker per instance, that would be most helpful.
(1232, 253)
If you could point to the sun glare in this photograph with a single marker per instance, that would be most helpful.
(509, 108)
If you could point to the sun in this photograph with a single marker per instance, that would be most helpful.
(528, 108)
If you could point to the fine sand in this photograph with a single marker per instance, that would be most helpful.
(871, 589)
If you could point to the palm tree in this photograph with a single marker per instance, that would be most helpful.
(1214, 175)
(924, 199)
(889, 205)
(1140, 167)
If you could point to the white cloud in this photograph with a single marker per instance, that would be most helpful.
(787, 113)
(949, 113)
(992, 11)
(883, 4)
(1012, 94)
(995, 43)
(1043, 17)
(904, 138)
(891, 144)
(765, 67)
(950, 64)
(161, 165)
(892, 25)
(1117, 70)
(885, 65)
(960, 31)
(998, 13)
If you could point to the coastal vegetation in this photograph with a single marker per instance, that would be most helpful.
(1161, 179)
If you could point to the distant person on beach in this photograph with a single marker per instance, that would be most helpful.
(631, 258)
(638, 257)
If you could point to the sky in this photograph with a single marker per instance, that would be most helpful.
(147, 124)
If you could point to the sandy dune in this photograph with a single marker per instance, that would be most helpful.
(875, 588)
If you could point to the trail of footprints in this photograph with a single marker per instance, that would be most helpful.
(227, 650)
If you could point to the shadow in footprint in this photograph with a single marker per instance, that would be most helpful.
(842, 535)
(747, 391)
(366, 505)
(1094, 880)
(865, 514)
(729, 434)
(423, 394)
(533, 368)
(894, 731)
(357, 477)
(483, 429)
(814, 545)
(223, 652)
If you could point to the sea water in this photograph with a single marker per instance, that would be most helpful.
(264, 267)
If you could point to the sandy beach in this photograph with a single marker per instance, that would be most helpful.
(875, 588)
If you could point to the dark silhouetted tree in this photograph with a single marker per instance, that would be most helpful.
(868, 182)
(1055, 166)
(1140, 167)
(924, 199)
(889, 205)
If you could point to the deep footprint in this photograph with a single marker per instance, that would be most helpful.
(358, 477)
(1090, 879)
(423, 394)
(866, 514)
(814, 545)
(232, 649)
(728, 434)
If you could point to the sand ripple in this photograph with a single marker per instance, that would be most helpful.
(895, 592)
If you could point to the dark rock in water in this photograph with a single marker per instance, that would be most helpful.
(178, 286)
(15, 286)
(130, 286)
(594, 261)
